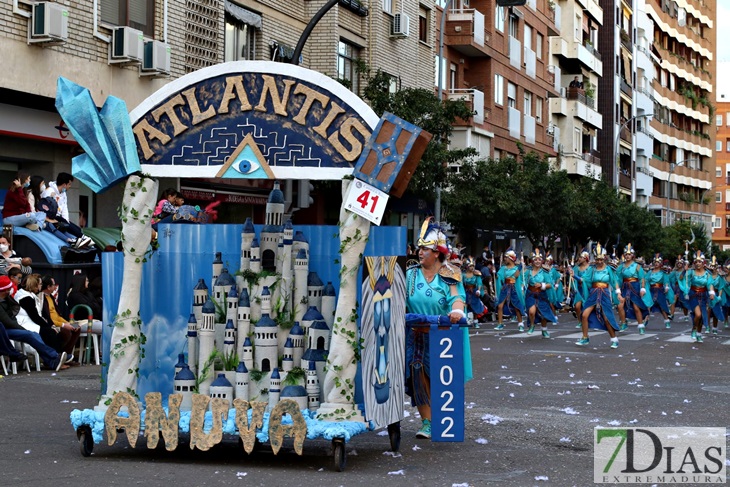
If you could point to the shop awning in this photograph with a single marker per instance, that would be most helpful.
(245, 16)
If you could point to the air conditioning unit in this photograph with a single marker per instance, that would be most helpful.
(48, 22)
(550, 129)
(127, 46)
(400, 27)
(156, 59)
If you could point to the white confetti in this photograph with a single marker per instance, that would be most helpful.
(383, 433)
(511, 394)
(572, 375)
(634, 421)
(569, 411)
(677, 412)
(565, 439)
(397, 472)
(677, 364)
(567, 360)
(504, 366)
(65, 401)
(595, 420)
(531, 430)
(727, 462)
(460, 485)
(592, 386)
(482, 441)
(241, 474)
(687, 401)
(491, 419)
(538, 384)
(26, 452)
(663, 413)
(541, 477)
(514, 382)
(416, 447)
(486, 349)
(614, 423)
(393, 454)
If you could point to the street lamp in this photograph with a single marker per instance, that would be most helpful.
(615, 146)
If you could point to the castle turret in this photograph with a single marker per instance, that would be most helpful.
(206, 335)
(297, 394)
(273, 229)
(274, 388)
(310, 317)
(317, 347)
(301, 271)
(242, 378)
(287, 265)
(223, 285)
(223, 389)
(255, 262)
(229, 342)
(232, 304)
(315, 288)
(184, 383)
(247, 354)
(329, 304)
(180, 362)
(247, 236)
(217, 266)
(244, 320)
(296, 334)
(312, 387)
(193, 340)
(265, 301)
(287, 361)
(267, 344)
(299, 242)
(200, 296)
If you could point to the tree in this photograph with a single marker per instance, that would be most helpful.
(675, 236)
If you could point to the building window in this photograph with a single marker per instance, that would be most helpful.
(718, 197)
(498, 89)
(138, 14)
(497, 154)
(388, 6)
(538, 109)
(514, 22)
(499, 19)
(423, 25)
(452, 76)
(717, 223)
(347, 55)
(527, 41)
(718, 146)
(718, 172)
(727, 145)
(577, 140)
(527, 107)
(441, 71)
(240, 42)
(718, 120)
(578, 26)
(512, 95)
(538, 45)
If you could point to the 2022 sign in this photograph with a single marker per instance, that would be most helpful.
(447, 384)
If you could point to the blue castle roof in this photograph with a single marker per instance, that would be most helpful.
(301, 254)
(275, 374)
(311, 366)
(314, 280)
(265, 291)
(200, 285)
(288, 343)
(221, 381)
(288, 225)
(299, 237)
(276, 195)
(233, 293)
(312, 314)
(272, 229)
(315, 355)
(265, 320)
(230, 325)
(185, 373)
(293, 391)
(319, 325)
(225, 279)
(218, 258)
(241, 369)
(248, 226)
(192, 318)
(209, 306)
(255, 242)
(180, 360)
(329, 289)
(296, 330)
(247, 342)
(244, 301)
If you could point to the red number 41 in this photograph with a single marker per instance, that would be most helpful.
(363, 200)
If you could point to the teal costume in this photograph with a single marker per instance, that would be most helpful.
(598, 290)
(538, 297)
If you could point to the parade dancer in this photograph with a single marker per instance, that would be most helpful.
(716, 306)
(661, 293)
(677, 274)
(726, 285)
(598, 282)
(474, 288)
(633, 299)
(556, 294)
(509, 290)
(698, 292)
(537, 302)
(577, 273)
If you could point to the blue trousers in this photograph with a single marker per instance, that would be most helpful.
(48, 355)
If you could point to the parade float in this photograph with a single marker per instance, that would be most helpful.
(298, 357)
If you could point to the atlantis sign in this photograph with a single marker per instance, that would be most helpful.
(252, 119)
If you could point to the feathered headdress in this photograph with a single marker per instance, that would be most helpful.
(629, 249)
(469, 262)
(599, 252)
(658, 258)
(536, 254)
(585, 254)
(432, 237)
(713, 263)
(511, 254)
(699, 256)
(549, 257)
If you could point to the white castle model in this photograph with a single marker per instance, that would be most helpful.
(274, 280)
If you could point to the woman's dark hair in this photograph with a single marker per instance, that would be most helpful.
(78, 283)
(167, 193)
(22, 176)
(35, 187)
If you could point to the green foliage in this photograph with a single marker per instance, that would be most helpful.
(295, 376)
(255, 375)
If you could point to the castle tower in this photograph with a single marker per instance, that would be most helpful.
(267, 344)
(242, 378)
(287, 265)
(223, 285)
(247, 353)
(232, 304)
(200, 296)
(265, 301)
(329, 304)
(217, 266)
(273, 228)
(315, 289)
(310, 317)
(180, 363)
(184, 383)
(223, 389)
(297, 394)
(317, 337)
(287, 361)
(229, 342)
(243, 320)
(193, 340)
(206, 344)
(247, 236)
(296, 334)
(312, 387)
(301, 271)
(255, 262)
(274, 388)
(299, 242)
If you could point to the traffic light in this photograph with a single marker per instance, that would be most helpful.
(303, 199)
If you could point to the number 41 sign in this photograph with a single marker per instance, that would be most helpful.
(366, 201)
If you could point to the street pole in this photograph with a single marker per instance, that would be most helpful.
(615, 147)
(440, 90)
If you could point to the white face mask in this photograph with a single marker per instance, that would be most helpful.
(4, 248)
(43, 187)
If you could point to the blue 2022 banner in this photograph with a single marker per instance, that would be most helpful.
(447, 384)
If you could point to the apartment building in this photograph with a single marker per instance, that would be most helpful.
(131, 48)
(721, 219)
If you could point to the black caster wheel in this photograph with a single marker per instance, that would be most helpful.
(394, 435)
(340, 457)
(86, 441)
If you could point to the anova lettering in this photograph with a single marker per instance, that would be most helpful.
(631, 455)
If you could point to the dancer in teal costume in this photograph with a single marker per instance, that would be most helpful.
(599, 283)
(634, 299)
(716, 306)
(578, 271)
(509, 290)
(661, 294)
(539, 282)
(473, 286)
(433, 287)
(698, 292)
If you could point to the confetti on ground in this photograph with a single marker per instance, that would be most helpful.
(460, 485)
(565, 439)
(687, 401)
(592, 386)
(677, 412)
(382, 433)
(511, 394)
(514, 382)
(482, 441)
(491, 419)
(569, 411)
(538, 384)
(531, 430)
(393, 454)
(541, 477)
(241, 474)
(397, 472)
(615, 422)
(26, 452)
(416, 447)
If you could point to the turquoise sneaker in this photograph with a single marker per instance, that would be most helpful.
(642, 330)
(499, 327)
(425, 431)
(667, 324)
(521, 328)
(531, 329)
(614, 345)
(694, 335)
(698, 338)
(582, 342)
(545, 334)
(623, 326)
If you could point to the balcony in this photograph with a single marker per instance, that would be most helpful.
(584, 53)
(475, 100)
(465, 32)
(626, 40)
(624, 180)
(554, 16)
(585, 164)
(580, 95)
(626, 134)
(579, 105)
(626, 88)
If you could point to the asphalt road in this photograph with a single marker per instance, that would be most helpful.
(530, 414)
